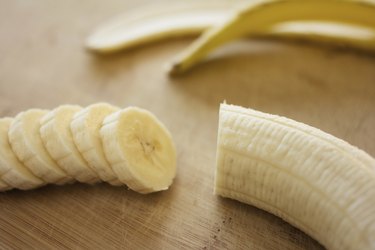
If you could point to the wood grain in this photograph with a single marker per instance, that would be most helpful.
(43, 64)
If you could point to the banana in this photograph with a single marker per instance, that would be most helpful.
(26, 143)
(58, 140)
(263, 18)
(140, 149)
(85, 128)
(171, 20)
(4, 186)
(155, 23)
(101, 142)
(12, 171)
(335, 33)
(316, 182)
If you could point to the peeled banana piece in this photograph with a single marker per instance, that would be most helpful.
(276, 18)
(4, 186)
(91, 144)
(12, 171)
(58, 140)
(140, 149)
(316, 182)
(26, 143)
(85, 128)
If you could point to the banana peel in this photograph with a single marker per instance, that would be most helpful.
(271, 18)
(155, 23)
(345, 23)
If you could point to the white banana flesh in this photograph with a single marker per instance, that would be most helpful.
(156, 23)
(93, 144)
(12, 171)
(85, 128)
(268, 19)
(26, 143)
(316, 182)
(4, 186)
(58, 140)
(140, 149)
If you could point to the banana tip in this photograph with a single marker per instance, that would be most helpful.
(174, 69)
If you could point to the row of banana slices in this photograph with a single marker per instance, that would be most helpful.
(98, 143)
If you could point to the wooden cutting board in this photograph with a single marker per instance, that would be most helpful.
(43, 64)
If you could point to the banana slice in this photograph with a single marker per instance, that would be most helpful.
(58, 140)
(85, 127)
(12, 171)
(316, 182)
(27, 145)
(4, 186)
(140, 149)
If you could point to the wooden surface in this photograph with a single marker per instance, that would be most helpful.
(43, 65)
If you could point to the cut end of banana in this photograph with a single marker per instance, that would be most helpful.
(100, 142)
(27, 145)
(4, 186)
(140, 150)
(85, 128)
(12, 171)
(58, 139)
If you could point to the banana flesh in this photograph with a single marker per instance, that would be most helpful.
(58, 140)
(4, 186)
(144, 157)
(27, 145)
(69, 143)
(316, 182)
(12, 171)
(85, 128)
(263, 19)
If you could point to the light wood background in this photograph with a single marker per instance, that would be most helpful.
(43, 64)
